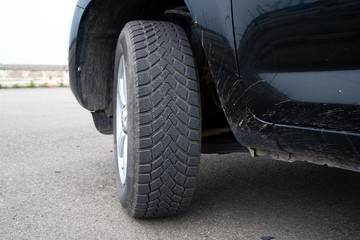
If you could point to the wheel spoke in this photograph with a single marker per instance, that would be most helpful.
(124, 120)
(122, 155)
(122, 82)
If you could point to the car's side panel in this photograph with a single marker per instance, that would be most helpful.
(299, 67)
(300, 61)
(243, 90)
(83, 3)
(213, 22)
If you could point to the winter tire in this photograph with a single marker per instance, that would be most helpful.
(156, 119)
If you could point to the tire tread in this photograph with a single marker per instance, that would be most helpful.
(169, 118)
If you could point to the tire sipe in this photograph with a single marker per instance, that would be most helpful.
(156, 119)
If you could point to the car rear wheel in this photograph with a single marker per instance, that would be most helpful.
(156, 119)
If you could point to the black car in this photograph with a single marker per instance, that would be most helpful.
(172, 79)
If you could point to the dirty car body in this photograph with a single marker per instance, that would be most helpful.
(280, 77)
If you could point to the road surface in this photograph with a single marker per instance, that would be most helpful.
(57, 181)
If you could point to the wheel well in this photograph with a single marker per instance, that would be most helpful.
(96, 43)
(98, 33)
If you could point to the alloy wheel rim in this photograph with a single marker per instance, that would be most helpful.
(121, 122)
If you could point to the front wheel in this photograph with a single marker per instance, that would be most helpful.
(156, 119)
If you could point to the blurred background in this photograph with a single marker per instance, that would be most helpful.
(34, 38)
(35, 32)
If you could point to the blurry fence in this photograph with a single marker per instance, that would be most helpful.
(33, 76)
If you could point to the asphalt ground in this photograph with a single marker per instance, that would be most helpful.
(57, 181)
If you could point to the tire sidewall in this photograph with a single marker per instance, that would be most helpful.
(125, 191)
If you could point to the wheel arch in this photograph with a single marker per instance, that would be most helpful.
(91, 53)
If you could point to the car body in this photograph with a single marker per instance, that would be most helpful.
(280, 77)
